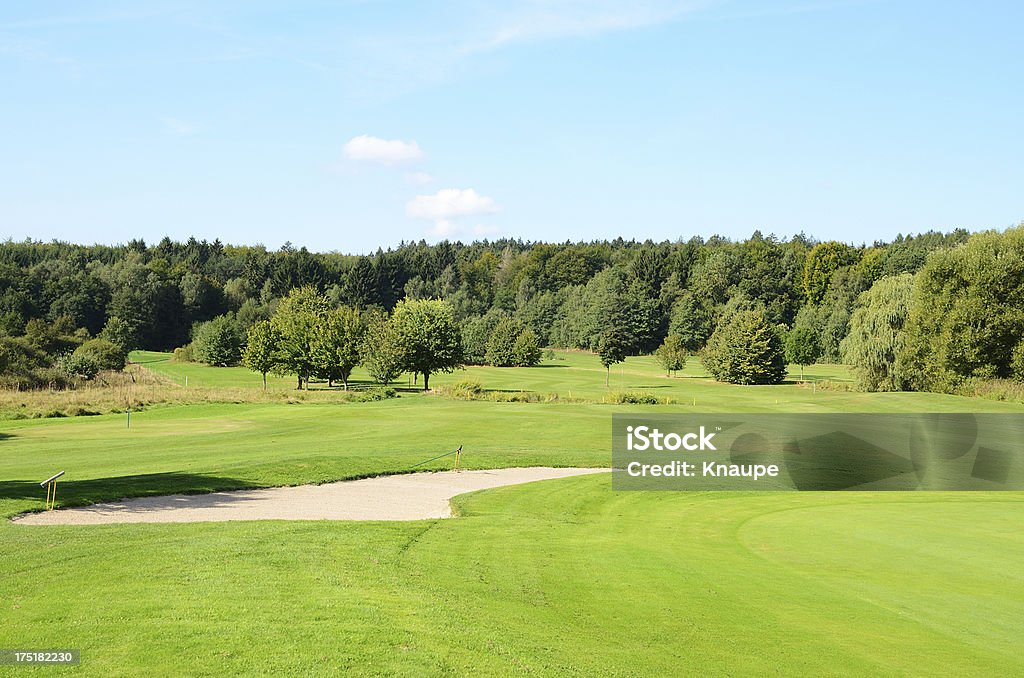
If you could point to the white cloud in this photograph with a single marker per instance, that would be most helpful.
(448, 205)
(383, 151)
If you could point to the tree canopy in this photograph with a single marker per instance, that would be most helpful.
(427, 337)
(746, 350)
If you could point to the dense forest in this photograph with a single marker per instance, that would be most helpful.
(925, 311)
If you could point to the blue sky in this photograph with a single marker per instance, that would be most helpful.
(352, 125)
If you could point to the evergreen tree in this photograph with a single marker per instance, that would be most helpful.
(360, 284)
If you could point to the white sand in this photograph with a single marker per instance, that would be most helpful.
(403, 497)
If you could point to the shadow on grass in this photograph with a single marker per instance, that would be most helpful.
(149, 361)
(83, 492)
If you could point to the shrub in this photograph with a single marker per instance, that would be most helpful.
(991, 389)
(467, 389)
(635, 398)
(78, 366)
(184, 354)
(374, 394)
(108, 355)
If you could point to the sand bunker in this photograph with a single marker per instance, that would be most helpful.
(404, 497)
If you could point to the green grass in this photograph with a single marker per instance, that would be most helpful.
(557, 578)
(577, 375)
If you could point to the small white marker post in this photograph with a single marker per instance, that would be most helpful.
(129, 417)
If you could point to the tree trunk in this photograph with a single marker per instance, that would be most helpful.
(607, 375)
(264, 381)
(299, 387)
(330, 382)
(344, 381)
(801, 373)
(426, 380)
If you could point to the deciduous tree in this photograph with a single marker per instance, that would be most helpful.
(428, 338)
(746, 350)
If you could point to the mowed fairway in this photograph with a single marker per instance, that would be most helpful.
(561, 577)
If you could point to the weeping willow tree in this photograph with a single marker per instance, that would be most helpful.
(876, 340)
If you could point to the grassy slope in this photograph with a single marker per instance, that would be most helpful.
(561, 577)
(580, 375)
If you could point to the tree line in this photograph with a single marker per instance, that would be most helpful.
(747, 307)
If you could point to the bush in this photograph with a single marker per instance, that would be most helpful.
(635, 398)
(78, 366)
(374, 394)
(467, 389)
(746, 350)
(108, 355)
(217, 342)
(184, 354)
(991, 389)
